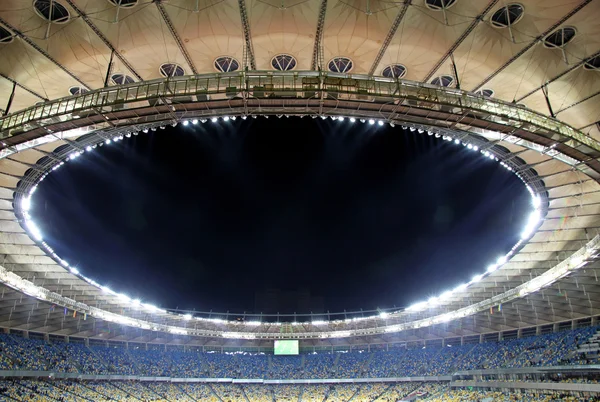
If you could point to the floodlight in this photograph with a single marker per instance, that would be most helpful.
(35, 231)
(25, 203)
(384, 315)
(124, 297)
(492, 268)
(477, 278)
(501, 260)
(187, 316)
(457, 141)
(445, 295)
(74, 271)
(226, 118)
(185, 122)
(214, 119)
(380, 122)
(340, 118)
(371, 121)
(108, 141)
(195, 121)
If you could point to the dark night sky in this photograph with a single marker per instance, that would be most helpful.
(204, 216)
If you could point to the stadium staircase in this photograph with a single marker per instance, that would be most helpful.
(97, 356)
(183, 391)
(136, 366)
(69, 357)
(130, 395)
(336, 363)
(463, 357)
(367, 364)
(300, 393)
(212, 391)
(591, 346)
(244, 394)
(58, 384)
(93, 391)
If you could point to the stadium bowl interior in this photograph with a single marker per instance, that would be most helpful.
(516, 82)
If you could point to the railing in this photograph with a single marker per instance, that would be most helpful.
(119, 377)
(308, 85)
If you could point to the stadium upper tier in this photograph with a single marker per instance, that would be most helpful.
(534, 65)
(397, 361)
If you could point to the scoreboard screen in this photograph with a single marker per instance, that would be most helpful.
(286, 347)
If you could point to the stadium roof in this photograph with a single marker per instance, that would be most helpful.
(543, 55)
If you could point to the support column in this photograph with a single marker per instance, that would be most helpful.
(67, 339)
(10, 98)
(573, 324)
(462, 341)
(46, 338)
(555, 327)
(26, 334)
(500, 337)
(481, 338)
(594, 321)
(86, 342)
(538, 330)
(519, 333)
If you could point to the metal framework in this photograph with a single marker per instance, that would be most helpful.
(390, 35)
(539, 38)
(504, 130)
(43, 52)
(169, 24)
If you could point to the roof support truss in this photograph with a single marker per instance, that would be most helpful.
(317, 58)
(390, 35)
(249, 59)
(533, 43)
(460, 40)
(103, 38)
(559, 76)
(42, 52)
(24, 87)
(169, 23)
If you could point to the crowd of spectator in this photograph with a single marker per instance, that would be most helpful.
(18, 353)
(35, 354)
(130, 391)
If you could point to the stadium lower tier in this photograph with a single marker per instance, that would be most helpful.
(559, 348)
(76, 391)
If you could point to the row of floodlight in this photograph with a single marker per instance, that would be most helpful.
(530, 227)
